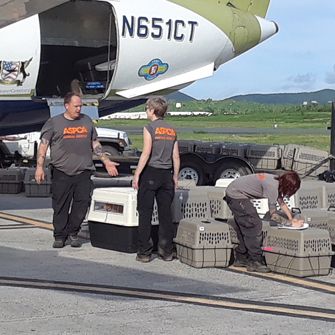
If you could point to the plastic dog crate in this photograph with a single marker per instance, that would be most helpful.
(208, 147)
(32, 189)
(218, 207)
(113, 219)
(306, 158)
(300, 253)
(264, 156)
(321, 219)
(287, 156)
(233, 149)
(309, 196)
(192, 203)
(11, 180)
(232, 229)
(203, 243)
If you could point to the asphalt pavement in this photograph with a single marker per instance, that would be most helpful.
(97, 291)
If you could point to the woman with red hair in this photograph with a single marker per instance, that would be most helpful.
(248, 224)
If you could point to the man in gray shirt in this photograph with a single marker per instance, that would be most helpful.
(72, 139)
(248, 224)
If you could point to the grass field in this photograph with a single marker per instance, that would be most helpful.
(320, 142)
(316, 141)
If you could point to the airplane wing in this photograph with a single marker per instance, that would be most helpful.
(203, 72)
(16, 10)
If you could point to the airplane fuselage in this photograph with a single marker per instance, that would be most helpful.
(118, 52)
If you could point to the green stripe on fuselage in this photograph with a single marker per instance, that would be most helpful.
(241, 27)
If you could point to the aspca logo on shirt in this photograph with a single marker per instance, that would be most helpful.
(165, 133)
(75, 132)
(261, 176)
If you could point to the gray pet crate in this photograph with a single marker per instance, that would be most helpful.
(203, 243)
(192, 203)
(32, 189)
(300, 253)
(11, 180)
(264, 156)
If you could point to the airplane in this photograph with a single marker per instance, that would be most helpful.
(114, 53)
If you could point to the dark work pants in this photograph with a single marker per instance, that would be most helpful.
(69, 191)
(248, 229)
(155, 183)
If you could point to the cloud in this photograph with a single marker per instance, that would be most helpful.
(330, 76)
(300, 81)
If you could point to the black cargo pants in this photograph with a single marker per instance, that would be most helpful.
(155, 183)
(69, 192)
(248, 229)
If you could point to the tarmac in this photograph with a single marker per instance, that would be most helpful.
(90, 290)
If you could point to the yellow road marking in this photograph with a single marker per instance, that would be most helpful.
(271, 308)
(26, 220)
(288, 279)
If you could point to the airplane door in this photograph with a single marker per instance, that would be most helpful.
(19, 58)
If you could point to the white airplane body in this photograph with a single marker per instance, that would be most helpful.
(115, 52)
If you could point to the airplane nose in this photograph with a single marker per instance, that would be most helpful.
(268, 28)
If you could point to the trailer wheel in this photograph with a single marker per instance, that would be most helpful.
(231, 169)
(110, 150)
(192, 170)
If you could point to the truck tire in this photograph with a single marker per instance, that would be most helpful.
(231, 168)
(192, 169)
(109, 149)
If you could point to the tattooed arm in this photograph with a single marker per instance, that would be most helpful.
(109, 165)
(41, 154)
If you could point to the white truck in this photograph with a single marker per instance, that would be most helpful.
(21, 150)
(113, 141)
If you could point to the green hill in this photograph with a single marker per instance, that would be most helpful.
(321, 97)
(179, 97)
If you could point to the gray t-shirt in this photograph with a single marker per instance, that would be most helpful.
(255, 186)
(70, 143)
(163, 138)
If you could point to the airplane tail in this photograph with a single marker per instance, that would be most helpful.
(256, 7)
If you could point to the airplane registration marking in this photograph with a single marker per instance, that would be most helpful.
(157, 28)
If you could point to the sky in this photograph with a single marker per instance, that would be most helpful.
(299, 58)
